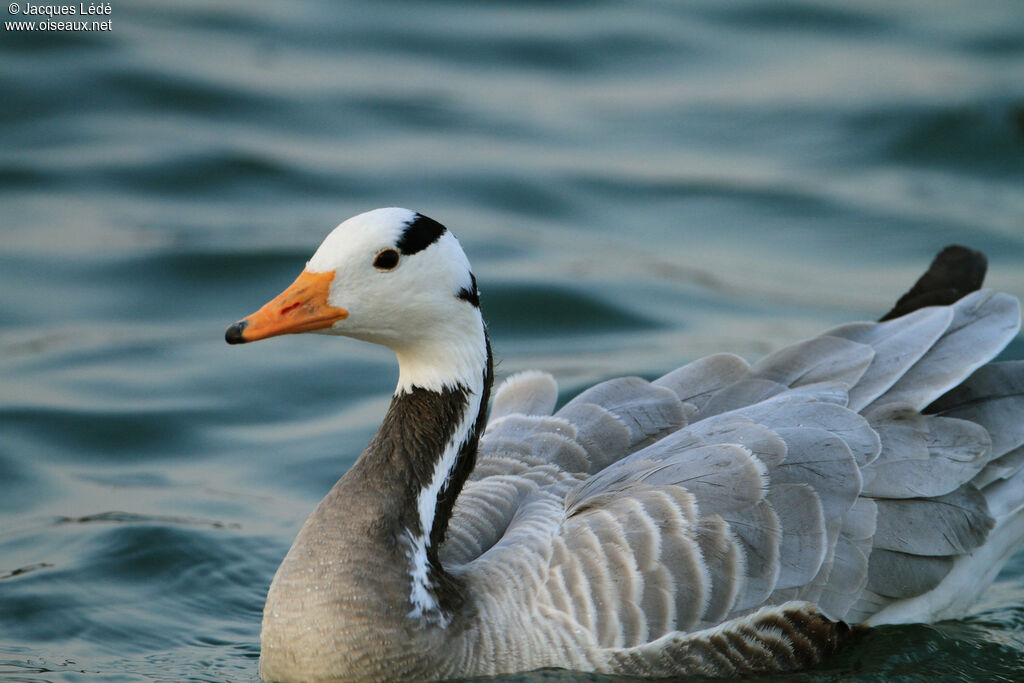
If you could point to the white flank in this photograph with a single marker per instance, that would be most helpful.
(424, 602)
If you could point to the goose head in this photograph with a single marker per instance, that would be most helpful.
(392, 277)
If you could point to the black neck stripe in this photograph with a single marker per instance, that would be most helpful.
(470, 294)
(419, 234)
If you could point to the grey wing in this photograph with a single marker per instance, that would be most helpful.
(659, 509)
(524, 448)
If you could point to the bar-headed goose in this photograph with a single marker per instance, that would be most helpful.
(726, 518)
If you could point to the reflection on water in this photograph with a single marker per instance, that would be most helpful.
(637, 184)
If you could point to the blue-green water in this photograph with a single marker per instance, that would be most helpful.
(637, 184)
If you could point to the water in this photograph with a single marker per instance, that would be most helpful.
(637, 184)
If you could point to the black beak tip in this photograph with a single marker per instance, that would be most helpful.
(233, 335)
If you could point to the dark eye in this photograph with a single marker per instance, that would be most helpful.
(386, 260)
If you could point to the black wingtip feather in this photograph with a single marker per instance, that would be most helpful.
(955, 272)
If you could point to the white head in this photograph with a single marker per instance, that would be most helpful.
(392, 277)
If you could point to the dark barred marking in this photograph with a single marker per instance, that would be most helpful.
(776, 645)
(708, 653)
(719, 648)
(747, 651)
(797, 630)
(776, 640)
(419, 234)
(470, 295)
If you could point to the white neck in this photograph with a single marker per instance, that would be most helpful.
(455, 360)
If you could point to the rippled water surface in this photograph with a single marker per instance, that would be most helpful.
(637, 184)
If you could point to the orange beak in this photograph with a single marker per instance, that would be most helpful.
(300, 308)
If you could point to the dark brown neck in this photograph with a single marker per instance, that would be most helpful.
(465, 461)
(416, 466)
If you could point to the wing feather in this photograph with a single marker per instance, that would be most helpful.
(820, 359)
(952, 524)
(803, 546)
(720, 476)
(641, 510)
(923, 456)
(726, 564)
(821, 460)
(528, 393)
(698, 381)
(647, 410)
(900, 575)
(983, 323)
(604, 437)
(898, 344)
(759, 535)
(992, 397)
